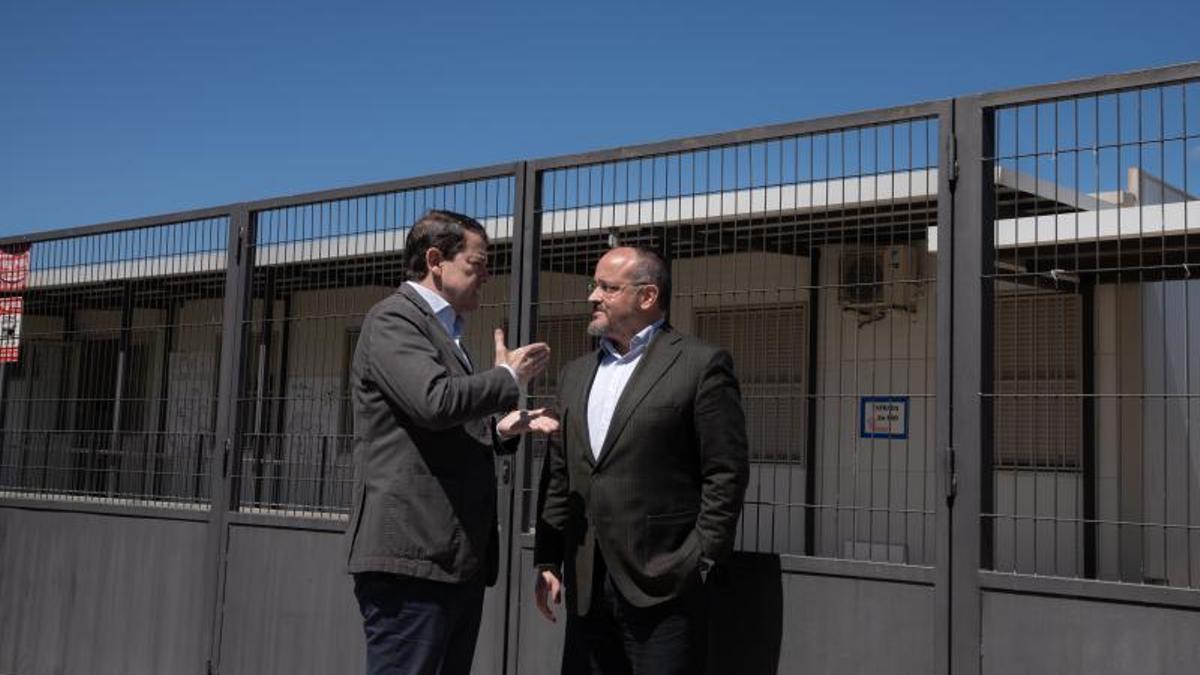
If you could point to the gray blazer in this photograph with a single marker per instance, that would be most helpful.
(668, 485)
(424, 501)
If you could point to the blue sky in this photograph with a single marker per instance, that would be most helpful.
(123, 109)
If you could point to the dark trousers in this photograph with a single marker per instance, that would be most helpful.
(617, 638)
(418, 627)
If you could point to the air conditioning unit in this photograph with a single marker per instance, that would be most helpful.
(880, 278)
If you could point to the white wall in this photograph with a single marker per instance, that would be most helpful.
(1171, 433)
(877, 494)
(774, 516)
(1118, 362)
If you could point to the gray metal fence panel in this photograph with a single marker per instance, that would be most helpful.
(98, 593)
(1093, 214)
(112, 388)
(825, 351)
(318, 267)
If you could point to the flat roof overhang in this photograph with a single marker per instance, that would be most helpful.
(878, 209)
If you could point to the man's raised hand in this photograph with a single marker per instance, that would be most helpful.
(526, 362)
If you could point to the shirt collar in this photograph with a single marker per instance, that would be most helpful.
(450, 320)
(636, 345)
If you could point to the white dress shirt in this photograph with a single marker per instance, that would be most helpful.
(611, 377)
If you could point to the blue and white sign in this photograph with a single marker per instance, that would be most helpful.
(883, 417)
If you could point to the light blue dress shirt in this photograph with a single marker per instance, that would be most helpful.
(450, 320)
(453, 323)
(611, 377)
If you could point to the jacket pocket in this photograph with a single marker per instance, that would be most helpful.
(663, 539)
(420, 520)
(673, 518)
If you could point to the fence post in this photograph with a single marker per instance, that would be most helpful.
(116, 453)
(964, 337)
(10, 477)
(944, 376)
(522, 319)
(238, 285)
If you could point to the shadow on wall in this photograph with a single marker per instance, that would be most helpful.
(745, 629)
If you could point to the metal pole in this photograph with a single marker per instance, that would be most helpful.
(280, 391)
(810, 451)
(523, 317)
(4, 481)
(944, 391)
(238, 279)
(124, 343)
(965, 327)
(1088, 364)
(263, 376)
(154, 465)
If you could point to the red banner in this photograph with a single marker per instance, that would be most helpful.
(10, 328)
(14, 267)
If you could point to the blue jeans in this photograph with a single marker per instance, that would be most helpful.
(418, 627)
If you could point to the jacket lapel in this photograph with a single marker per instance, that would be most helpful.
(464, 356)
(660, 355)
(440, 338)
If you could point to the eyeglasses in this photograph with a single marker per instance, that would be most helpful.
(610, 290)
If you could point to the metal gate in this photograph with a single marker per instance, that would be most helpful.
(804, 250)
(963, 333)
(1074, 376)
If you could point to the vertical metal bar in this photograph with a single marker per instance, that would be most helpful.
(1187, 336)
(810, 450)
(114, 444)
(238, 278)
(154, 465)
(522, 319)
(4, 425)
(944, 389)
(264, 347)
(971, 264)
(275, 478)
(264, 351)
(68, 414)
(984, 404)
(1088, 363)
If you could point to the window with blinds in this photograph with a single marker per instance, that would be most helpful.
(768, 345)
(1038, 403)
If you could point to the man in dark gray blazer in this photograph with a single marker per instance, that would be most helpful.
(642, 495)
(423, 538)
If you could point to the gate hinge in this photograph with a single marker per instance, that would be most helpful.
(950, 474)
(243, 235)
(952, 162)
(225, 453)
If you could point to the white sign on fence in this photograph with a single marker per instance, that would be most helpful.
(883, 417)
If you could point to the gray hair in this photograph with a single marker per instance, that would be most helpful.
(650, 268)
